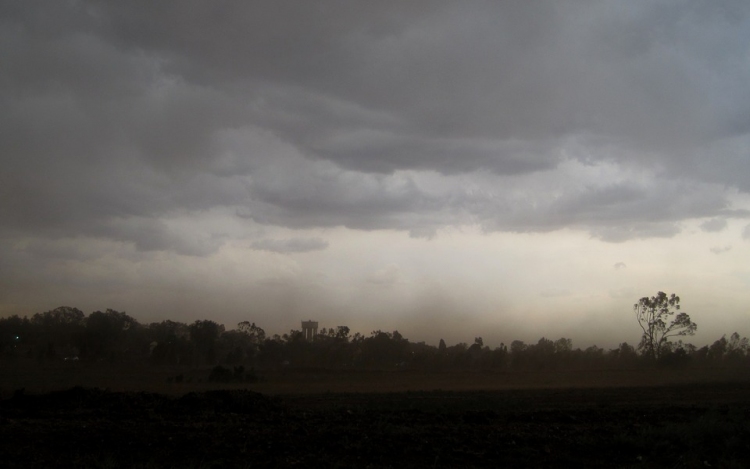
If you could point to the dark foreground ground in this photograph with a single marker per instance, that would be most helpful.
(686, 425)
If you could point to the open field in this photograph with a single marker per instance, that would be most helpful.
(703, 425)
(51, 376)
(317, 418)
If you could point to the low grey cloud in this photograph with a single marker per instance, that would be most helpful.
(612, 213)
(425, 232)
(148, 234)
(714, 225)
(619, 234)
(117, 116)
(746, 232)
(620, 265)
(63, 249)
(290, 245)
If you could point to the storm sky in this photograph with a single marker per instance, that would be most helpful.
(509, 170)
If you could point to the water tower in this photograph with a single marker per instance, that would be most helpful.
(310, 329)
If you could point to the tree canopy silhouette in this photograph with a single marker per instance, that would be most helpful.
(653, 315)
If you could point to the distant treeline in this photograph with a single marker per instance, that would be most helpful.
(68, 334)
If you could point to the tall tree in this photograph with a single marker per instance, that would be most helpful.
(653, 315)
(58, 331)
(256, 333)
(107, 335)
(204, 335)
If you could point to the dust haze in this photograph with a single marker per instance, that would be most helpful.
(504, 170)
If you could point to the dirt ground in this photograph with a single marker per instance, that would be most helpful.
(678, 425)
(45, 377)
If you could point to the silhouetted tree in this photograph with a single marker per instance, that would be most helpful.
(563, 345)
(458, 356)
(15, 336)
(674, 355)
(733, 351)
(57, 332)
(170, 344)
(543, 354)
(250, 329)
(342, 333)
(653, 315)
(499, 357)
(332, 348)
(518, 354)
(297, 349)
(204, 335)
(737, 349)
(115, 335)
(243, 343)
(107, 335)
(624, 355)
(384, 349)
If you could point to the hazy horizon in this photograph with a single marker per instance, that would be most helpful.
(509, 170)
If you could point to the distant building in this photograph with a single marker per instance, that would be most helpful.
(310, 329)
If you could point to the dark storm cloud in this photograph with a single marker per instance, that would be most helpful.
(491, 71)
(306, 194)
(117, 115)
(155, 235)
